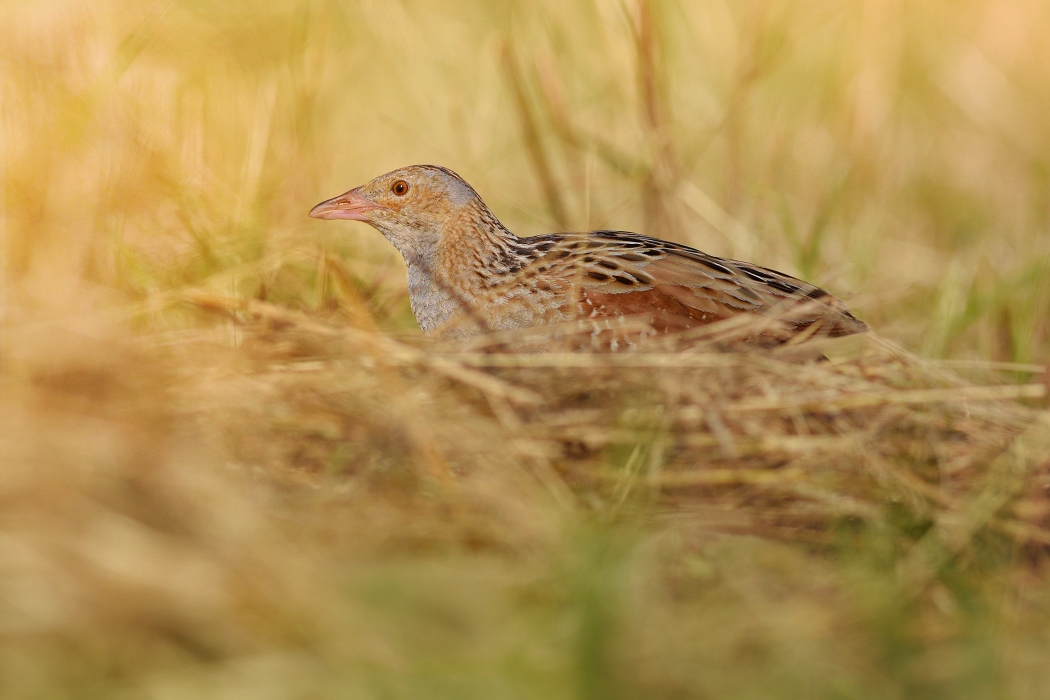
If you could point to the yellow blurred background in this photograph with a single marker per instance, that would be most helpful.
(894, 152)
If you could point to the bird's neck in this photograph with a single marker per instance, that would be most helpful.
(477, 250)
(475, 254)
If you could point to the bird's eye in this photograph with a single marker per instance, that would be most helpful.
(400, 188)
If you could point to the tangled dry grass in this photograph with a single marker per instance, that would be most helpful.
(231, 467)
(772, 443)
(317, 507)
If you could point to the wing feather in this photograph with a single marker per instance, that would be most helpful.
(619, 274)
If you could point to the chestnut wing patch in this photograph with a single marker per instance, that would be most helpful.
(664, 305)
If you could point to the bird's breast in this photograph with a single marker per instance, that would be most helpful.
(433, 302)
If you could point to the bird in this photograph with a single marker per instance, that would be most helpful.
(469, 275)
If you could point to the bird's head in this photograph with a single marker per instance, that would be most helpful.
(412, 206)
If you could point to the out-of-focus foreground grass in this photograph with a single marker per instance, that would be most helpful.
(230, 468)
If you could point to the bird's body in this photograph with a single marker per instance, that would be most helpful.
(468, 274)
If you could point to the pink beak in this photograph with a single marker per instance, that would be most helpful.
(349, 205)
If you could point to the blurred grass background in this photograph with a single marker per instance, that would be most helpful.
(162, 536)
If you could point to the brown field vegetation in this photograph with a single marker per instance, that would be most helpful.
(231, 466)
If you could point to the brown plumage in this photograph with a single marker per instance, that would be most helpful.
(468, 274)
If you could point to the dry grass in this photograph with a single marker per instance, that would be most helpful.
(231, 467)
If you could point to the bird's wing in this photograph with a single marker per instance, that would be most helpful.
(619, 274)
